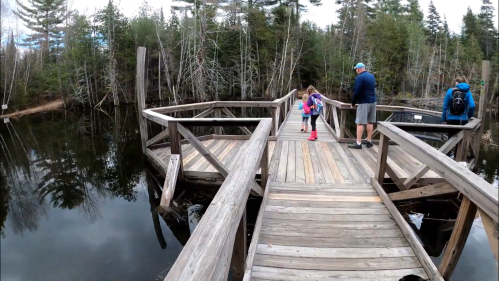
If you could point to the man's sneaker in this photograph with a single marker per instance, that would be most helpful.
(355, 145)
(369, 144)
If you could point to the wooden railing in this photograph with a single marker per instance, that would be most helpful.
(207, 254)
(477, 193)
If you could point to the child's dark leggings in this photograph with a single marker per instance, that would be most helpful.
(314, 121)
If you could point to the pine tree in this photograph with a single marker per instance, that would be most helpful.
(470, 25)
(413, 12)
(391, 7)
(433, 22)
(44, 17)
(488, 37)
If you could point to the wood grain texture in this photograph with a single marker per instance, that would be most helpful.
(170, 181)
(422, 192)
(330, 253)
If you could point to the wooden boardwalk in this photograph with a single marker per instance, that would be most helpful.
(322, 219)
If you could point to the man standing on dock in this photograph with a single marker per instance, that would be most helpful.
(365, 98)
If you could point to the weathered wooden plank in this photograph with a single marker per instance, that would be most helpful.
(330, 211)
(379, 172)
(462, 228)
(348, 162)
(424, 259)
(300, 167)
(330, 233)
(335, 253)
(226, 149)
(170, 181)
(324, 163)
(193, 164)
(332, 164)
(471, 185)
(427, 191)
(337, 263)
(324, 192)
(202, 162)
(203, 255)
(264, 166)
(491, 231)
(318, 242)
(274, 273)
(304, 188)
(324, 217)
(176, 146)
(204, 113)
(309, 170)
(303, 197)
(316, 166)
(283, 163)
(336, 123)
(322, 186)
(341, 165)
(192, 153)
(141, 96)
(291, 167)
(311, 225)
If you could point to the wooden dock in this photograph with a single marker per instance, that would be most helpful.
(322, 219)
(325, 214)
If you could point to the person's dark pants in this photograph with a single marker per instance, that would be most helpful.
(314, 121)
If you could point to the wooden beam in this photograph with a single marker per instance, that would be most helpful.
(471, 185)
(170, 181)
(455, 246)
(158, 163)
(381, 159)
(343, 121)
(212, 159)
(423, 127)
(424, 259)
(418, 174)
(141, 95)
(204, 257)
(218, 114)
(240, 250)
(157, 138)
(349, 133)
(229, 114)
(183, 107)
(427, 191)
(462, 148)
(336, 123)
(176, 146)
(491, 229)
(204, 113)
(264, 164)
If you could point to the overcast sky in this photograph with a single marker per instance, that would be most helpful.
(323, 15)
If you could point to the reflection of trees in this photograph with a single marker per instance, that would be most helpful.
(70, 161)
(4, 202)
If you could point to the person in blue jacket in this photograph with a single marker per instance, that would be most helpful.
(364, 96)
(453, 113)
(304, 116)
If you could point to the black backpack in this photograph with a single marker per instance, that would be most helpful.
(457, 106)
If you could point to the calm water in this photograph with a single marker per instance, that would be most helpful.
(77, 203)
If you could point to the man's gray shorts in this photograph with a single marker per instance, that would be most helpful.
(366, 113)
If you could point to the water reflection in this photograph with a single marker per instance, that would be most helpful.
(77, 203)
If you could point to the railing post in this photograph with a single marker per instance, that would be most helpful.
(482, 104)
(141, 95)
(176, 146)
(218, 114)
(343, 118)
(273, 112)
(240, 251)
(462, 147)
(381, 159)
(264, 163)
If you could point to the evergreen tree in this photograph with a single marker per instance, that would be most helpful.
(470, 25)
(413, 12)
(488, 36)
(44, 17)
(433, 22)
(392, 7)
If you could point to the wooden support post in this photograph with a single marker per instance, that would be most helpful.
(491, 228)
(455, 246)
(273, 112)
(264, 163)
(462, 148)
(240, 250)
(218, 114)
(381, 159)
(170, 181)
(343, 119)
(204, 113)
(482, 105)
(336, 123)
(176, 146)
(140, 88)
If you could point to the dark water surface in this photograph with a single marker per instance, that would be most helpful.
(77, 202)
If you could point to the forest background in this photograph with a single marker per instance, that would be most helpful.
(238, 49)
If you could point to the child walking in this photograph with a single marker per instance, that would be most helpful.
(305, 114)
